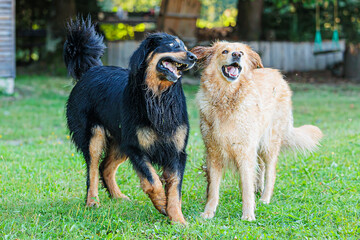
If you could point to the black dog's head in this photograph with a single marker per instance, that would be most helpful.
(160, 61)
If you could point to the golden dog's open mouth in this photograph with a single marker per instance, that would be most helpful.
(232, 71)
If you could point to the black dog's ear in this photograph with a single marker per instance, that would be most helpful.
(139, 57)
(204, 54)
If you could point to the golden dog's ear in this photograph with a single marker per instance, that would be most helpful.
(255, 60)
(204, 54)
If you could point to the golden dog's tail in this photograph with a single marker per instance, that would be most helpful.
(304, 138)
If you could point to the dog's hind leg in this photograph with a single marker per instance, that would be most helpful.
(270, 161)
(150, 182)
(214, 166)
(260, 181)
(173, 178)
(96, 146)
(108, 169)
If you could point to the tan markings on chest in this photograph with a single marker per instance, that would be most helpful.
(146, 137)
(179, 137)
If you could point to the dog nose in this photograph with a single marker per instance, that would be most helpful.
(236, 55)
(191, 56)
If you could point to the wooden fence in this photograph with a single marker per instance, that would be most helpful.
(290, 56)
(286, 56)
(178, 17)
(7, 45)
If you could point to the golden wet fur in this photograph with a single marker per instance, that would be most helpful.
(245, 122)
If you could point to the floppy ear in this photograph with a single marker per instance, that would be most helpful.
(204, 54)
(255, 60)
(138, 59)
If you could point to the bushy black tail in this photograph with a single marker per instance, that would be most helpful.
(83, 48)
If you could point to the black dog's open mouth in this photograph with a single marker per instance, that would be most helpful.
(231, 71)
(172, 68)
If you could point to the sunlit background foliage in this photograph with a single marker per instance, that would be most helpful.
(128, 5)
(283, 17)
(282, 20)
(213, 14)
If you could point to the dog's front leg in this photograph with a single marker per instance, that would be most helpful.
(247, 168)
(173, 178)
(150, 182)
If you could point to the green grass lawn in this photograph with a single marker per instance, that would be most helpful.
(42, 177)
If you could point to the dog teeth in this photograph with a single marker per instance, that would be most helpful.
(179, 65)
(172, 67)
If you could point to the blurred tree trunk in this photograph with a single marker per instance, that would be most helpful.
(62, 11)
(352, 62)
(86, 7)
(248, 22)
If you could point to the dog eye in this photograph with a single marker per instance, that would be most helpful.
(225, 52)
(241, 53)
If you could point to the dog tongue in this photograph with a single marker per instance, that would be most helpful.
(233, 71)
(170, 66)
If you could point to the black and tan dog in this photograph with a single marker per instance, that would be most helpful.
(137, 113)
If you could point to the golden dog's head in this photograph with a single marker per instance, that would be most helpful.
(231, 60)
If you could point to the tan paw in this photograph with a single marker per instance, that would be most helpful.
(248, 217)
(179, 221)
(93, 202)
(176, 215)
(161, 208)
(207, 215)
(122, 197)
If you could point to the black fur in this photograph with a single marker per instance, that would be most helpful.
(119, 101)
(83, 47)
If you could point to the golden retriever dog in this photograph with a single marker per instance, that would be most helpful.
(246, 117)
